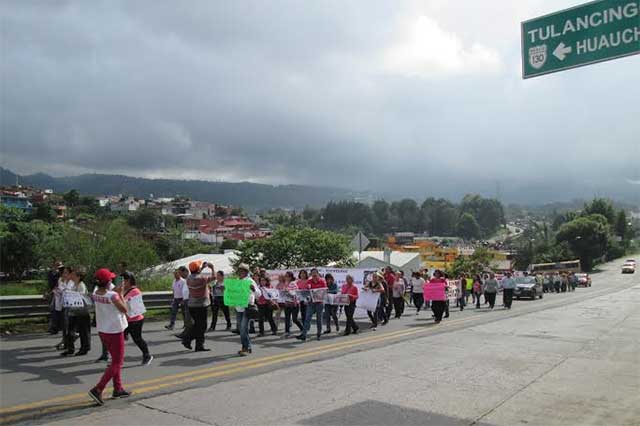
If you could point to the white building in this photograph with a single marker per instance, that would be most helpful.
(399, 260)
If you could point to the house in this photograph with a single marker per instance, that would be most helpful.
(124, 205)
(16, 200)
(404, 261)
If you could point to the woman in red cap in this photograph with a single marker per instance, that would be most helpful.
(111, 321)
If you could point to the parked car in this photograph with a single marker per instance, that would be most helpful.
(584, 280)
(527, 287)
(628, 268)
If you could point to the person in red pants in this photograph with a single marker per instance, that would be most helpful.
(111, 321)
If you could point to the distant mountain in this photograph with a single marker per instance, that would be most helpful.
(251, 196)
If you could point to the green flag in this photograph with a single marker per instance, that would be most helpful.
(236, 292)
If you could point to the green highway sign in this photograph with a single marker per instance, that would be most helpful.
(593, 32)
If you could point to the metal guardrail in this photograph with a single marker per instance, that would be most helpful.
(36, 306)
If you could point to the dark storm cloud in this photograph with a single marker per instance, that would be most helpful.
(409, 98)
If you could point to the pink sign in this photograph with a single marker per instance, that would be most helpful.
(435, 291)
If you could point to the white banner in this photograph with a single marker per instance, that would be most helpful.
(339, 274)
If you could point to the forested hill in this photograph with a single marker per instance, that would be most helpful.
(250, 196)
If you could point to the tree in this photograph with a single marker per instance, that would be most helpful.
(103, 246)
(44, 212)
(381, 216)
(468, 227)
(475, 264)
(18, 245)
(146, 220)
(71, 198)
(296, 247)
(587, 236)
(439, 217)
(408, 213)
(602, 207)
(489, 213)
(229, 245)
(621, 225)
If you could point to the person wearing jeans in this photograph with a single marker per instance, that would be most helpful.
(287, 284)
(217, 302)
(350, 289)
(179, 282)
(111, 322)
(508, 285)
(242, 319)
(314, 283)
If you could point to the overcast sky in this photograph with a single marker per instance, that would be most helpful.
(390, 96)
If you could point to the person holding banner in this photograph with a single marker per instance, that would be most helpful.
(79, 318)
(331, 311)
(350, 289)
(375, 286)
(436, 291)
(303, 277)
(265, 307)
(111, 321)
(288, 287)
(132, 296)
(314, 307)
(61, 312)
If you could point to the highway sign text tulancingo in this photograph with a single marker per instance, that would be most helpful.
(593, 32)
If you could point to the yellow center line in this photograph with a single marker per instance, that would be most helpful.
(211, 372)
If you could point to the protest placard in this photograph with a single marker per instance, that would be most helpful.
(287, 297)
(304, 296)
(271, 293)
(318, 294)
(135, 306)
(236, 292)
(72, 300)
(341, 300)
(368, 300)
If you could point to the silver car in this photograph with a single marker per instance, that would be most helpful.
(527, 287)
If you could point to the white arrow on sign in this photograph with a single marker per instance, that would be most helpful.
(562, 51)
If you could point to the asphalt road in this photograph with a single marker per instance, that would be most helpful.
(476, 367)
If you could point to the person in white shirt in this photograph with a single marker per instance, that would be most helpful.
(111, 321)
(61, 312)
(78, 316)
(188, 321)
(417, 284)
(179, 283)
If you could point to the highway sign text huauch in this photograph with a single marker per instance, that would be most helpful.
(589, 33)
